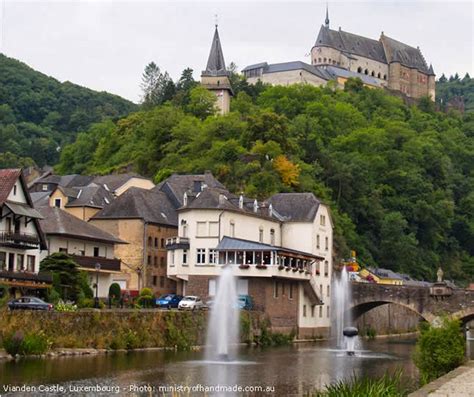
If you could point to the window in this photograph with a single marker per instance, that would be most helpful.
(20, 261)
(326, 243)
(148, 260)
(385, 77)
(324, 60)
(312, 310)
(326, 268)
(14, 190)
(290, 296)
(372, 74)
(172, 258)
(149, 241)
(359, 70)
(96, 251)
(63, 250)
(162, 261)
(214, 228)
(275, 289)
(232, 229)
(201, 255)
(82, 252)
(57, 203)
(318, 268)
(327, 312)
(320, 311)
(3, 260)
(162, 281)
(154, 280)
(321, 291)
(156, 242)
(184, 226)
(322, 220)
(319, 60)
(378, 75)
(44, 188)
(366, 71)
(304, 310)
(162, 243)
(317, 241)
(155, 261)
(272, 236)
(200, 229)
(260, 234)
(328, 291)
(212, 256)
(185, 257)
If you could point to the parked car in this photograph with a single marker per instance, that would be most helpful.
(29, 303)
(191, 303)
(168, 301)
(245, 302)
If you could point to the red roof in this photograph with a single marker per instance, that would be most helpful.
(8, 178)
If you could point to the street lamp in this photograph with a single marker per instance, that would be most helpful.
(97, 270)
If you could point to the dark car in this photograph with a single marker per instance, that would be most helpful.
(29, 303)
(168, 301)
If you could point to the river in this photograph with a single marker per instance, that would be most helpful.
(283, 371)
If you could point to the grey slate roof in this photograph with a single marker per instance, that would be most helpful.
(295, 207)
(40, 199)
(149, 205)
(59, 222)
(352, 43)
(175, 186)
(215, 63)
(72, 180)
(91, 196)
(400, 52)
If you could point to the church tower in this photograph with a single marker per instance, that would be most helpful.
(216, 77)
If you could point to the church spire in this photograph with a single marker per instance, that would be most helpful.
(215, 63)
(326, 22)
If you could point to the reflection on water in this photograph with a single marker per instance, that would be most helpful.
(292, 370)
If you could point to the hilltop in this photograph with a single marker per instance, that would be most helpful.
(398, 178)
(39, 114)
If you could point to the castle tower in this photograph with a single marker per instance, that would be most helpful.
(216, 77)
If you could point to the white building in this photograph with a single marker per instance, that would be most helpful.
(21, 237)
(281, 251)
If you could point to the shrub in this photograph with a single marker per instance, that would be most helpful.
(439, 349)
(86, 303)
(65, 307)
(386, 386)
(269, 338)
(370, 333)
(146, 298)
(115, 293)
(24, 344)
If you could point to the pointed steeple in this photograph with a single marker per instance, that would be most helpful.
(215, 63)
(431, 71)
(326, 22)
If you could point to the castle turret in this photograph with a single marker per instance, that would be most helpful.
(431, 83)
(216, 77)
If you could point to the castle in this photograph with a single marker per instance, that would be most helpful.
(336, 56)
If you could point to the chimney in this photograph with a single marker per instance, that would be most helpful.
(255, 205)
(270, 210)
(241, 202)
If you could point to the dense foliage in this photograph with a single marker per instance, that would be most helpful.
(439, 349)
(455, 91)
(399, 178)
(38, 114)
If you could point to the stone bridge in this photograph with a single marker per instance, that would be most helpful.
(459, 303)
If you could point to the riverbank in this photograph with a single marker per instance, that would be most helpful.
(457, 383)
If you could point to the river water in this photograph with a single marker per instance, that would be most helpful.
(284, 371)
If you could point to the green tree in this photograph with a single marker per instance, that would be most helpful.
(202, 102)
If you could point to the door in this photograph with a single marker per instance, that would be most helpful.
(11, 262)
(8, 224)
(17, 226)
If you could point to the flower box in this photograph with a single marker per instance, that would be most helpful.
(295, 269)
(262, 266)
(244, 266)
(301, 270)
(287, 268)
(280, 267)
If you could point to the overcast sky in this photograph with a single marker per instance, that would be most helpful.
(105, 45)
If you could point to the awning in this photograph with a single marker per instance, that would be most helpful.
(23, 210)
(236, 244)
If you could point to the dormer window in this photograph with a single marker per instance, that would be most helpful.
(185, 199)
(14, 190)
(241, 202)
(270, 210)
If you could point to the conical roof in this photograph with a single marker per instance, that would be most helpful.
(215, 63)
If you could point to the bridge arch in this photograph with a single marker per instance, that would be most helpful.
(464, 315)
(359, 308)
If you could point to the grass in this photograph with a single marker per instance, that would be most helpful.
(386, 386)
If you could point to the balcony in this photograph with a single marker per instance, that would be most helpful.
(25, 279)
(177, 242)
(19, 240)
(89, 262)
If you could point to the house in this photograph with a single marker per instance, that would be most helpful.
(144, 219)
(83, 196)
(21, 237)
(280, 250)
(382, 276)
(90, 247)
